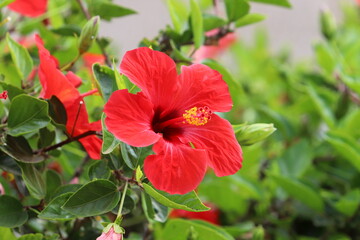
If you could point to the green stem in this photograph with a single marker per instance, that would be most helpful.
(119, 215)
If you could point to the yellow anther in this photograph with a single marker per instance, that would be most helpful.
(197, 116)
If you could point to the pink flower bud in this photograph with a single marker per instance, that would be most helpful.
(110, 235)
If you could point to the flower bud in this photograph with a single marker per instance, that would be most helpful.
(250, 134)
(3, 95)
(88, 34)
(112, 232)
(328, 24)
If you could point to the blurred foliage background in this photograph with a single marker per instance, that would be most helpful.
(302, 182)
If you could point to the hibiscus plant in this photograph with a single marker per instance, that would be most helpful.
(170, 141)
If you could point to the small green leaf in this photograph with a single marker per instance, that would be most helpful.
(33, 180)
(27, 114)
(68, 30)
(188, 202)
(53, 210)
(108, 10)
(349, 203)
(31, 236)
(53, 182)
(154, 211)
(21, 57)
(249, 19)
(325, 57)
(110, 142)
(134, 156)
(211, 22)
(99, 170)
(197, 24)
(12, 213)
(5, 3)
(94, 198)
(178, 13)
(106, 79)
(19, 148)
(282, 3)
(301, 192)
(139, 174)
(179, 229)
(236, 9)
(321, 105)
(57, 111)
(346, 146)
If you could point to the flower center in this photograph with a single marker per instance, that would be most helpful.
(197, 116)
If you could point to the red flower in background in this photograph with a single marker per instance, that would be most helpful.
(54, 82)
(175, 113)
(211, 216)
(29, 8)
(4, 95)
(91, 58)
(213, 51)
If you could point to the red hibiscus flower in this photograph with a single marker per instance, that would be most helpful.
(29, 8)
(211, 216)
(54, 82)
(175, 113)
(213, 51)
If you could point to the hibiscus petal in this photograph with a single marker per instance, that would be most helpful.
(129, 117)
(218, 138)
(176, 168)
(152, 71)
(28, 8)
(202, 86)
(73, 79)
(52, 79)
(92, 145)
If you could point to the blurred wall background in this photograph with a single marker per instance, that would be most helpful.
(297, 27)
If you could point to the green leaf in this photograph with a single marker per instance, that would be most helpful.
(108, 10)
(53, 210)
(211, 22)
(94, 198)
(321, 105)
(346, 146)
(179, 229)
(27, 114)
(57, 111)
(154, 211)
(134, 156)
(325, 57)
(31, 236)
(12, 213)
(7, 234)
(106, 79)
(68, 30)
(249, 19)
(67, 188)
(282, 3)
(188, 202)
(19, 148)
(296, 159)
(178, 13)
(99, 170)
(5, 3)
(46, 137)
(349, 203)
(110, 142)
(53, 182)
(301, 192)
(236, 9)
(21, 57)
(33, 180)
(197, 24)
